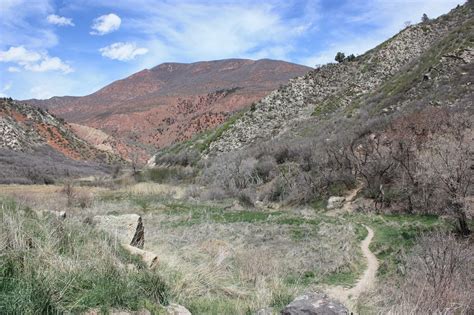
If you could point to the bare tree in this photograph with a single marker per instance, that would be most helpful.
(447, 164)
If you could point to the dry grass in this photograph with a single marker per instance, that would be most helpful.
(147, 188)
(216, 260)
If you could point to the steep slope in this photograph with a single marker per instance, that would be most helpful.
(173, 101)
(334, 87)
(35, 146)
(396, 122)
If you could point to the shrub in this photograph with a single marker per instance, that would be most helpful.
(437, 280)
(340, 56)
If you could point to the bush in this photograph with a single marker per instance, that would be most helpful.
(340, 56)
(437, 280)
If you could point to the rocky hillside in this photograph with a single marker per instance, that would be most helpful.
(35, 145)
(335, 87)
(173, 101)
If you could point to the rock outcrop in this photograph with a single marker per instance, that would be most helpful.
(314, 304)
(127, 228)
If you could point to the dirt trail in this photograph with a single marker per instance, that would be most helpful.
(349, 296)
(347, 207)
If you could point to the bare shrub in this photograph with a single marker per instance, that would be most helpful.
(438, 278)
(266, 168)
(214, 193)
(247, 198)
(192, 191)
(84, 199)
(70, 192)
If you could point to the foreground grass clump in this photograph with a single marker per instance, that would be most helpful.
(51, 266)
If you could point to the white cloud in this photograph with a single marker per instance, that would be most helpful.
(41, 92)
(49, 64)
(106, 24)
(4, 89)
(59, 20)
(33, 61)
(122, 51)
(19, 55)
(192, 31)
(13, 69)
(19, 23)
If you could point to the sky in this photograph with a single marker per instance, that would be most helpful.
(55, 48)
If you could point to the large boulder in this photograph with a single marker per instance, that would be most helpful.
(335, 202)
(127, 228)
(314, 304)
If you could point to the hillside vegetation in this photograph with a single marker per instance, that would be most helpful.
(37, 147)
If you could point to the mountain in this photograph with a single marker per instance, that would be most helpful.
(173, 101)
(37, 147)
(337, 90)
(396, 123)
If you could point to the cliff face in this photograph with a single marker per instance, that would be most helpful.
(173, 101)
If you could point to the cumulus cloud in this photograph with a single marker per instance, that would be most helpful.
(106, 24)
(19, 55)
(59, 20)
(122, 51)
(33, 61)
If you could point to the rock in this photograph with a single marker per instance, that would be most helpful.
(127, 228)
(335, 202)
(61, 215)
(314, 304)
(117, 312)
(176, 309)
(149, 258)
(265, 311)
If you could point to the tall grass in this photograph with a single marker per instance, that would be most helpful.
(52, 266)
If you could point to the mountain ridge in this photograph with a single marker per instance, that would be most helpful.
(152, 108)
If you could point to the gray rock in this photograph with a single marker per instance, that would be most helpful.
(176, 309)
(150, 259)
(127, 228)
(265, 311)
(61, 215)
(314, 304)
(335, 202)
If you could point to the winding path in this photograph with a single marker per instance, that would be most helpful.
(349, 296)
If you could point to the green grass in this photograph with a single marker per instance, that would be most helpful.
(344, 278)
(394, 235)
(50, 266)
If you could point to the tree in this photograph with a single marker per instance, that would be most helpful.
(340, 56)
(425, 18)
(446, 165)
(351, 57)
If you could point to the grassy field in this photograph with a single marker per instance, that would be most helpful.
(213, 259)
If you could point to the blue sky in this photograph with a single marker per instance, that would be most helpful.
(50, 48)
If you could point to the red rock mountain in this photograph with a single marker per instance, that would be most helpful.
(173, 101)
